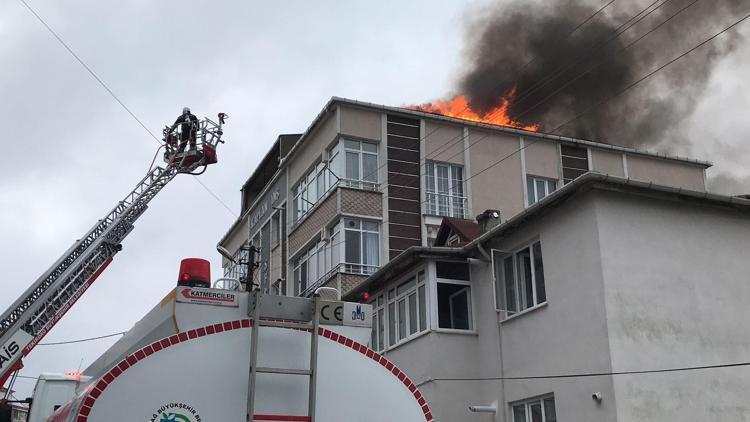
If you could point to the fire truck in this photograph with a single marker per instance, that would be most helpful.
(205, 352)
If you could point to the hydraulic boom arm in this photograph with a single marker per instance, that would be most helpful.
(42, 305)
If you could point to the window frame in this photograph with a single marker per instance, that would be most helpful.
(384, 301)
(308, 185)
(533, 197)
(500, 282)
(359, 267)
(527, 403)
(275, 229)
(433, 193)
(337, 163)
(470, 298)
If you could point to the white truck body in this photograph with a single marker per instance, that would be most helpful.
(53, 391)
(188, 360)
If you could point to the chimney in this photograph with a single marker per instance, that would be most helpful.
(487, 220)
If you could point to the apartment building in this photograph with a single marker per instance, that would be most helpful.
(365, 182)
(608, 300)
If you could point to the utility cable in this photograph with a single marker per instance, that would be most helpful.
(594, 374)
(58, 343)
(112, 94)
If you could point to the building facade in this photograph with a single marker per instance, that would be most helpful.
(609, 300)
(366, 182)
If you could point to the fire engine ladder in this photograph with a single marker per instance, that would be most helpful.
(283, 312)
(42, 305)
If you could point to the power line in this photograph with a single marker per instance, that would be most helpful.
(82, 340)
(113, 95)
(594, 374)
(88, 69)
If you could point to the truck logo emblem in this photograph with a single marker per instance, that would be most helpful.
(358, 313)
(176, 412)
(173, 417)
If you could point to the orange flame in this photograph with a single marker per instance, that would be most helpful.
(459, 108)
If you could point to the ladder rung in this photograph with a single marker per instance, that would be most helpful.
(286, 324)
(284, 371)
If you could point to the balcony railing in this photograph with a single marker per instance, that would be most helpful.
(446, 205)
(339, 268)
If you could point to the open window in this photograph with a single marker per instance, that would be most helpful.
(453, 295)
(519, 279)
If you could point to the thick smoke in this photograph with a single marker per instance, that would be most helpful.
(558, 71)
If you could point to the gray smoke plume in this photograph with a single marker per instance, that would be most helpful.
(557, 70)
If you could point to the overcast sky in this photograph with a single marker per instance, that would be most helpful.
(70, 151)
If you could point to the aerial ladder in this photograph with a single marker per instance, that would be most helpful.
(45, 302)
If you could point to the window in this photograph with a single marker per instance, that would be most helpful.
(309, 190)
(445, 190)
(537, 410)
(522, 278)
(377, 342)
(575, 162)
(537, 188)
(401, 313)
(275, 229)
(355, 164)
(453, 295)
(454, 306)
(361, 246)
(311, 267)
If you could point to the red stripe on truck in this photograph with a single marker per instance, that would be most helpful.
(158, 345)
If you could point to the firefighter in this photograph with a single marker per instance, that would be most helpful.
(188, 124)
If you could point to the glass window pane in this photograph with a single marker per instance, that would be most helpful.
(321, 184)
(549, 410)
(457, 174)
(335, 256)
(459, 309)
(510, 285)
(381, 330)
(349, 144)
(312, 266)
(404, 287)
(303, 276)
(536, 412)
(374, 335)
(370, 167)
(401, 319)
(541, 188)
(370, 251)
(525, 285)
(368, 147)
(430, 170)
(352, 165)
(351, 223)
(370, 226)
(442, 179)
(413, 325)
(391, 324)
(422, 308)
(530, 190)
(541, 292)
(519, 413)
(551, 186)
(352, 245)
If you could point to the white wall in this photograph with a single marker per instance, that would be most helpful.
(677, 295)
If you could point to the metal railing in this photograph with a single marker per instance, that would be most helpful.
(446, 205)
